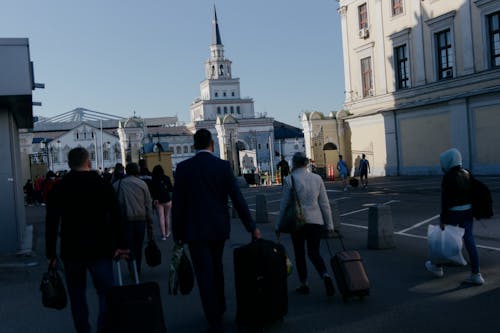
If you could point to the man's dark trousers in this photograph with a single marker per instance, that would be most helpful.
(75, 271)
(206, 257)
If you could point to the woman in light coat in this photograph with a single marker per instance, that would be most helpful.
(314, 201)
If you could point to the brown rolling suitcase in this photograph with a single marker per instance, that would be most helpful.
(349, 272)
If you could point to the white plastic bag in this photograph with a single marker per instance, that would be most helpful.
(445, 246)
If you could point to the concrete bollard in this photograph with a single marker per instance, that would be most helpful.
(380, 227)
(335, 215)
(261, 215)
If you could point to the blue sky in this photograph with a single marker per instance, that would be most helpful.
(117, 56)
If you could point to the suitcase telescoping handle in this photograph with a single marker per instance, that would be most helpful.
(119, 270)
(341, 238)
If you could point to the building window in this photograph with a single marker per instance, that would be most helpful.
(178, 150)
(259, 146)
(494, 38)
(186, 149)
(232, 109)
(401, 64)
(366, 76)
(444, 55)
(232, 93)
(225, 110)
(397, 7)
(216, 94)
(218, 110)
(224, 94)
(238, 110)
(105, 155)
(363, 17)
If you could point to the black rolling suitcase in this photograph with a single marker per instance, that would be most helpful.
(261, 283)
(134, 308)
(354, 182)
(349, 272)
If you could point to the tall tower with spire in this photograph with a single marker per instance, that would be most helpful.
(237, 132)
(219, 92)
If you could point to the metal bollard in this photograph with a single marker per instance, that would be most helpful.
(261, 215)
(380, 227)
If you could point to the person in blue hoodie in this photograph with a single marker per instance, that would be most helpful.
(456, 209)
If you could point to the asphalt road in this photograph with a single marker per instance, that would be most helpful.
(404, 296)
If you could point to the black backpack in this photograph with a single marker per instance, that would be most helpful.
(482, 204)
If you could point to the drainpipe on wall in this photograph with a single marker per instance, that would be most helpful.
(396, 141)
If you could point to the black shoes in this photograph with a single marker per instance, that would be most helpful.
(330, 289)
(303, 290)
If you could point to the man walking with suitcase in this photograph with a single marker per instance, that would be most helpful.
(200, 218)
(84, 207)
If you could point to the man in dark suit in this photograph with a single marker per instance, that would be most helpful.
(200, 218)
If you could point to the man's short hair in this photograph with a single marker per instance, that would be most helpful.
(299, 160)
(132, 169)
(202, 139)
(77, 157)
(340, 156)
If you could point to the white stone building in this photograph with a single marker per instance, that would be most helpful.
(421, 77)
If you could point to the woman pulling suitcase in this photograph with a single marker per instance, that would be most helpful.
(313, 199)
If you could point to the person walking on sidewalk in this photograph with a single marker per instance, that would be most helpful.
(82, 210)
(200, 218)
(343, 170)
(161, 187)
(283, 168)
(364, 169)
(136, 209)
(456, 209)
(312, 195)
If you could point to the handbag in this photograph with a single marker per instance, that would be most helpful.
(181, 275)
(293, 218)
(53, 291)
(445, 246)
(152, 254)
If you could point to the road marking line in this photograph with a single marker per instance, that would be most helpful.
(418, 224)
(365, 209)
(354, 212)
(355, 225)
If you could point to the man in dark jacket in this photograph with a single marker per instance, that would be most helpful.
(83, 210)
(200, 218)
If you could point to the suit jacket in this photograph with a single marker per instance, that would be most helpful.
(312, 196)
(200, 208)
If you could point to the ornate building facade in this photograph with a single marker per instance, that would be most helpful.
(420, 77)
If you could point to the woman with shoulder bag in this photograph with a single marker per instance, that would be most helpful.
(313, 200)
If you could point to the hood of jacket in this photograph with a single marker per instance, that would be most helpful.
(450, 158)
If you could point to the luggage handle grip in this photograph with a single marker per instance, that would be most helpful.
(119, 270)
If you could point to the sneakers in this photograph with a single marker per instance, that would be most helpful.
(303, 289)
(437, 271)
(476, 279)
(330, 290)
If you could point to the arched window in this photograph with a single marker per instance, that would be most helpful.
(232, 93)
(218, 109)
(238, 110)
(216, 94)
(186, 149)
(232, 109)
(225, 110)
(224, 94)
(178, 149)
(221, 70)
